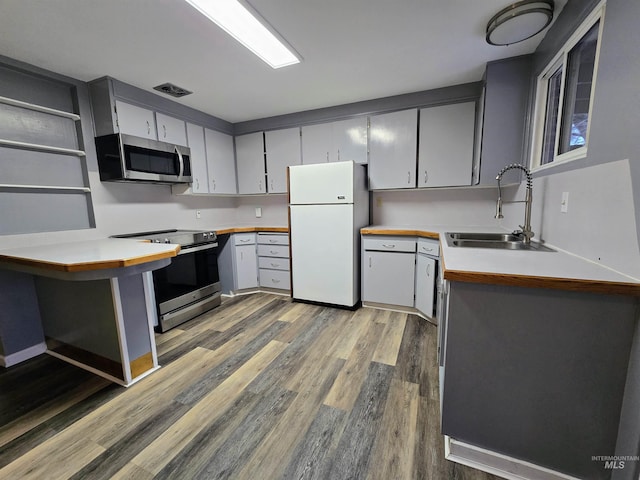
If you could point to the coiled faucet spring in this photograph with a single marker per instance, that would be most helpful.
(526, 231)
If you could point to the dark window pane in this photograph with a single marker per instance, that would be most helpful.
(551, 117)
(577, 92)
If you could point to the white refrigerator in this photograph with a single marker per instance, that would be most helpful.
(328, 205)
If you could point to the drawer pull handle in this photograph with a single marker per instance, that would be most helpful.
(275, 281)
(273, 252)
(271, 240)
(427, 249)
(274, 265)
(388, 245)
(428, 270)
(245, 240)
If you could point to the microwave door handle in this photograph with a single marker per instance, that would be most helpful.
(180, 159)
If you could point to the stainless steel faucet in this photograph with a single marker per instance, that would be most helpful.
(526, 233)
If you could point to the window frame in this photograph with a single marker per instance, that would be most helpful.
(560, 60)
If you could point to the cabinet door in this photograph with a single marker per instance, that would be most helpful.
(250, 163)
(136, 121)
(316, 143)
(425, 284)
(246, 267)
(195, 136)
(350, 140)
(393, 144)
(171, 130)
(221, 164)
(388, 278)
(282, 149)
(445, 158)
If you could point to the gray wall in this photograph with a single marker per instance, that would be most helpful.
(614, 123)
(613, 142)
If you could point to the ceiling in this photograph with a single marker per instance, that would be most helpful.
(352, 50)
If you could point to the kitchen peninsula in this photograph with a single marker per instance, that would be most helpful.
(533, 351)
(89, 302)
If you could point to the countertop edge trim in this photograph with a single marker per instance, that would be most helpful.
(556, 283)
(87, 266)
(400, 232)
(224, 231)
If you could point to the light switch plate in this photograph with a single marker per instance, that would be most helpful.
(258, 212)
(564, 204)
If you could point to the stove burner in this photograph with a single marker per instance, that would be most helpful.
(184, 238)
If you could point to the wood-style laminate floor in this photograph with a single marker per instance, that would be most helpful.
(259, 388)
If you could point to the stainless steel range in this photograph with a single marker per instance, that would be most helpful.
(190, 285)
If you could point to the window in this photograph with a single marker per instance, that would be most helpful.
(564, 96)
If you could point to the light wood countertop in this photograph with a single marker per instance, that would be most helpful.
(524, 268)
(88, 255)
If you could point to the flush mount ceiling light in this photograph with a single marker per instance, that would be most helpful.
(519, 21)
(241, 24)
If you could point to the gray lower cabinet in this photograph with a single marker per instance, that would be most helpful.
(388, 270)
(273, 261)
(538, 375)
(426, 268)
(245, 261)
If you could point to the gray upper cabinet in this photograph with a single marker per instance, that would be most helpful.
(195, 137)
(171, 130)
(503, 129)
(136, 121)
(338, 141)
(350, 140)
(282, 149)
(250, 163)
(220, 162)
(445, 155)
(393, 143)
(316, 143)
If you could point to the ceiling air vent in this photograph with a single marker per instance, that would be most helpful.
(173, 90)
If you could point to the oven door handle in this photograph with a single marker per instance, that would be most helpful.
(184, 251)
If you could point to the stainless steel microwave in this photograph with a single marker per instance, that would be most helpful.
(125, 158)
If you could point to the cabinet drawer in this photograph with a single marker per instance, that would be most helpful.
(273, 263)
(244, 238)
(429, 246)
(272, 239)
(281, 251)
(389, 244)
(275, 279)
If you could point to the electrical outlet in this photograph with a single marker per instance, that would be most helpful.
(198, 214)
(258, 212)
(564, 204)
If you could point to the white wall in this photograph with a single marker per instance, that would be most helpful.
(134, 207)
(455, 207)
(600, 222)
(274, 210)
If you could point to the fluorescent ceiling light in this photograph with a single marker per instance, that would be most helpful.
(237, 21)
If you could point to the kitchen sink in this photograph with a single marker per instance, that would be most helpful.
(500, 241)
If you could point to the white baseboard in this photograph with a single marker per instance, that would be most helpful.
(498, 464)
(22, 355)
